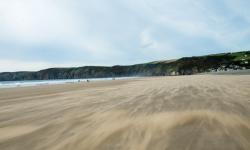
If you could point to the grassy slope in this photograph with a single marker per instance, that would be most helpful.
(182, 66)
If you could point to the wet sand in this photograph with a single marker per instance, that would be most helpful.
(200, 112)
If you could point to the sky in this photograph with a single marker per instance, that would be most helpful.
(39, 34)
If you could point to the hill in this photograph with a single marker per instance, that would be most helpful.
(182, 66)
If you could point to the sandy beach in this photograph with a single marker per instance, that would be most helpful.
(199, 112)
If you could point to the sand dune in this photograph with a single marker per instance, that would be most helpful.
(202, 112)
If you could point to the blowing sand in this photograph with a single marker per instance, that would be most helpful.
(203, 112)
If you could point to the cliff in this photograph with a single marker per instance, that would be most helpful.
(182, 66)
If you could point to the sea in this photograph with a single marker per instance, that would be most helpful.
(26, 83)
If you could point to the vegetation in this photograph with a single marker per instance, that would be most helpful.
(182, 66)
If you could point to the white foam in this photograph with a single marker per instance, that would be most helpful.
(12, 84)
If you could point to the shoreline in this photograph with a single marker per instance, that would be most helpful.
(32, 83)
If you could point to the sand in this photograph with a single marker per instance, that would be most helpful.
(200, 112)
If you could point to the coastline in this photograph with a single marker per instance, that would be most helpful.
(27, 83)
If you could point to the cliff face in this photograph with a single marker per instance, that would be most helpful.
(183, 66)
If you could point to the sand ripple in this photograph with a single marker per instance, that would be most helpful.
(172, 113)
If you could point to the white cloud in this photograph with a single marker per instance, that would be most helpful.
(36, 21)
(16, 65)
(149, 42)
(118, 31)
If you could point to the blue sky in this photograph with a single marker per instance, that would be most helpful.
(37, 34)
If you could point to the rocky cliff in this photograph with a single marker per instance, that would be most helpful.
(182, 66)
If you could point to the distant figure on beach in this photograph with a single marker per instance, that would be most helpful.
(87, 80)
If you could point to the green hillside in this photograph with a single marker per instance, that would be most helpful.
(182, 66)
